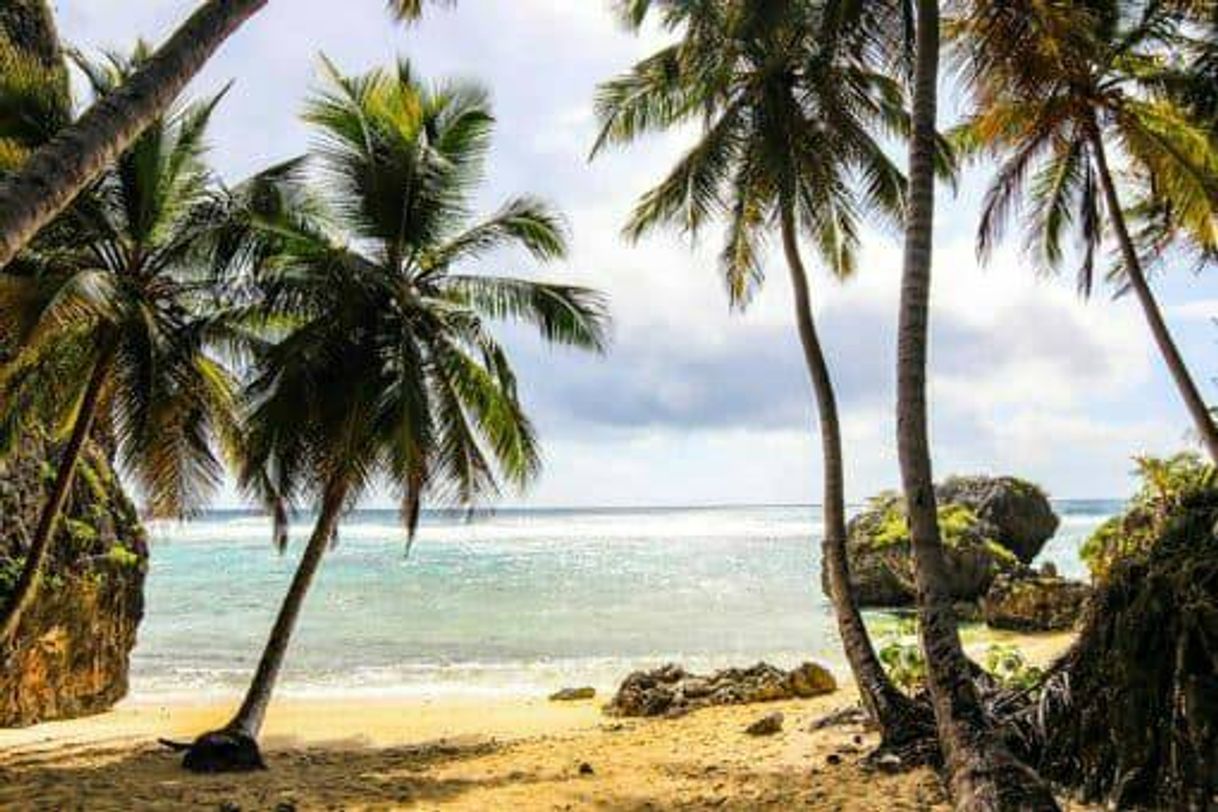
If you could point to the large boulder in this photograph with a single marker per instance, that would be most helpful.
(1020, 513)
(70, 654)
(1036, 603)
(991, 526)
(671, 690)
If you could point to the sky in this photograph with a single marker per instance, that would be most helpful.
(696, 404)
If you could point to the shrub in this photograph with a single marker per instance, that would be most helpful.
(1167, 485)
(1008, 665)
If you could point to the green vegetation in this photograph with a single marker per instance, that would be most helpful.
(901, 654)
(126, 296)
(1007, 664)
(1168, 486)
(902, 657)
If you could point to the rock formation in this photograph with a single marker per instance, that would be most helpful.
(671, 690)
(991, 526)
(70, 655)
(1035, 603)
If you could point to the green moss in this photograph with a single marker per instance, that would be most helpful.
(81, 533)
(123, 557)
(1001, 553)
(92, 479)
(956, 525)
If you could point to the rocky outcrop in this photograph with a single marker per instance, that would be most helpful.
(1035, 603)
(70, 654)
(991, 526)
(1020, 513)
(671, 690)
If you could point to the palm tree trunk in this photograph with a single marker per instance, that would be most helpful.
(56, 173)
(888, 707)
(1196, 405)
(982, 774)
(27, 585)
(248, 719)
(234, 747)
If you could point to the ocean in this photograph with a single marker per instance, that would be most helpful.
(513, 601)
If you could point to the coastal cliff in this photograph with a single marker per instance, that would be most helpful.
(71, 651)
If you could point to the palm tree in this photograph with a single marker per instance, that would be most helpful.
(1057, 87)
(47, 184)
(789, 116)
(382, 367)
(110, 319)
(982, 773)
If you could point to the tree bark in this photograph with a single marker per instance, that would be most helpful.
(894, 712)
(1202, 418)
(982, 774)
(249, 717)
(57, 172)
(27, 585)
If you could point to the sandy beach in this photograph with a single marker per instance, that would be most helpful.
(466, 754)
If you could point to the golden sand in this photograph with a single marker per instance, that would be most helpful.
(466, 754)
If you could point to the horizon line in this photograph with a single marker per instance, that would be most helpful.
(625, 507)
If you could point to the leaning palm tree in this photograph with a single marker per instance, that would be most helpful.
(31, 198)
(380, 365)
(982, 774)
(791, 118)
(1058, 87)
(109, 318)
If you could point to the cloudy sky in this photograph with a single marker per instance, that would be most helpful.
(695, 404)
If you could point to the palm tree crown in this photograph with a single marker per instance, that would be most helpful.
(382, 363)
(119, 285)
(1055, 82)
(790, 121)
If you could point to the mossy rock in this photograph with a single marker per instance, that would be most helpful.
(71, 650)
(1034, 604)
(990, 526)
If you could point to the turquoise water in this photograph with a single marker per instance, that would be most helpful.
(517, 601)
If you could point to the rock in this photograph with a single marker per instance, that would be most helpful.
(990, 525)
(573, 694)
(230, 806)
(1018, 509)
(285, 806)
(71, 650)
(845, 716)
(670, 691)
(1034, 603)
(833, 759)
(585, 768)
(810, 679)
(767, 725)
